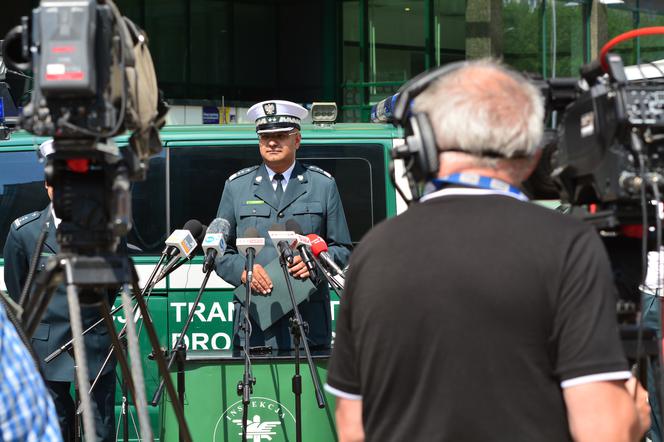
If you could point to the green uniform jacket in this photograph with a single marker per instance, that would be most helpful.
(54, 329)
(312, 200)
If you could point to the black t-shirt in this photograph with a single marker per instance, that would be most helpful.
(463, 316)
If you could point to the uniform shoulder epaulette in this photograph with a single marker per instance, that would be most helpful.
(319, 170)
(25, 219)
(242, 172)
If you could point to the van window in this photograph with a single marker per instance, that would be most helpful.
(197, 176)
(149, 210)
(359, 171)
(21, 188)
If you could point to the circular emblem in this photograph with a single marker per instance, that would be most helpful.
(267, 420)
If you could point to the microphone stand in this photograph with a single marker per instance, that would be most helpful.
(245, 386)
(337, 285)
(68, 345)
(179, 350)
(298, 333)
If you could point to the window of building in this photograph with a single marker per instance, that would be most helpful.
(547, 38)
(620, 20)
(449, 31)
(651, 48)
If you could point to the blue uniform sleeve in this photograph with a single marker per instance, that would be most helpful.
(16, 264)
(231, 264)
(337, 234)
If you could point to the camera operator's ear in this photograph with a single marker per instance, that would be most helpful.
(420, 151)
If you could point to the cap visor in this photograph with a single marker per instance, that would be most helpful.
(276, 129)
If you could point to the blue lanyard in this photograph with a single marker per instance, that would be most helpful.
(479, 181)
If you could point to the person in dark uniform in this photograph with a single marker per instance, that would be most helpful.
(278, 190)
(54, 329)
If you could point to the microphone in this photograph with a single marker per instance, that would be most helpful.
(182, 242)
(303, 245)
(250, 246)
(284, 241)
(214, 243)
(319, 249)
(191, 235)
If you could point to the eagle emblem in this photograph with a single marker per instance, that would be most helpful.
(270, 108)
(257, 430)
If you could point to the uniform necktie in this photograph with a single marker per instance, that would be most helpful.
(279, 191)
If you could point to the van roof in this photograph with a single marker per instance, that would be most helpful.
(239, 132)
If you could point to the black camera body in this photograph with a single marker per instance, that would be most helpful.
(610, 139)
(89, 64)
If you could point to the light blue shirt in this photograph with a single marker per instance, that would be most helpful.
(287, 174)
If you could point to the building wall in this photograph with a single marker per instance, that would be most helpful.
(357, 52)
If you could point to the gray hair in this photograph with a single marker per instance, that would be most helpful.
(484, 109)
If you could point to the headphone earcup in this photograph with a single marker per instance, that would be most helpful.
(422, 146)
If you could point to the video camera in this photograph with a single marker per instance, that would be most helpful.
(609, 146)
(93, 79)
(604, 157)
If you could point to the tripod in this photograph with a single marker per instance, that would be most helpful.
(95, 272)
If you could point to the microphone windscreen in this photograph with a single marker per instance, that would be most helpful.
(201, 235)
(219, 225)
(195, 227)
(294, 226)
(251, 232)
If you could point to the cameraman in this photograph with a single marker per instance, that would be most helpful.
(506, 309)
(54, 329)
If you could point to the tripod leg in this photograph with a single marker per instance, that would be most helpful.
(136, 368)
(161, 361)
(81, 362)
(119, 353)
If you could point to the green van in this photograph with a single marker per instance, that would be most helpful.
(185, 181)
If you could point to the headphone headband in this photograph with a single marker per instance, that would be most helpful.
(415, 86)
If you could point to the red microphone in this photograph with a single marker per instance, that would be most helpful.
(319, 249)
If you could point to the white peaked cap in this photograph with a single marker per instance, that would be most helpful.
(276, 116)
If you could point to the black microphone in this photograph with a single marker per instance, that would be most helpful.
(250, 245)
(283, 247)
(293, 225)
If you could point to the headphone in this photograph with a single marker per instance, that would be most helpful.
(419, 152)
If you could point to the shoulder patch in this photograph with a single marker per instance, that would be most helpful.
(242, 172)
(25, 219)
(319, 170)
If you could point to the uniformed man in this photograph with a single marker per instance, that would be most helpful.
(54, 329)
(278, 190)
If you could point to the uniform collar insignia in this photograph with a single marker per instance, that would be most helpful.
(300, 178)
(259, 179)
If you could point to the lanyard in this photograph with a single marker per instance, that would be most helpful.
(481, 182)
